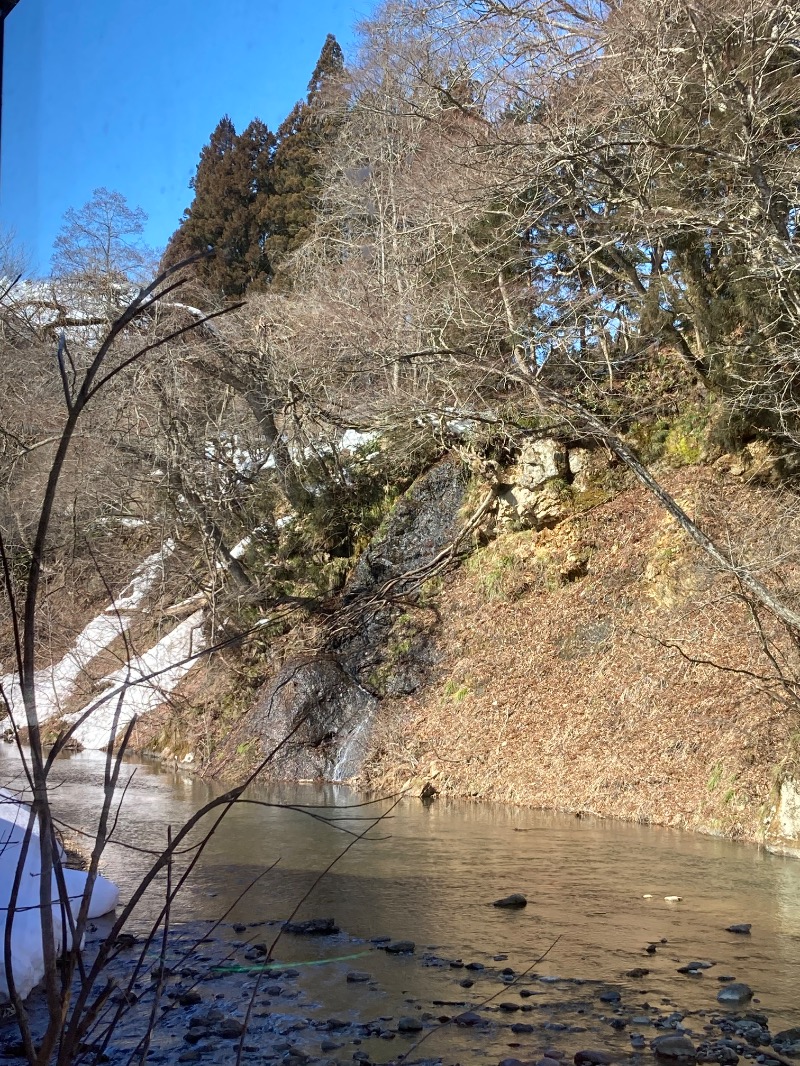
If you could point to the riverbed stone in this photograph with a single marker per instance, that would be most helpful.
(469, 1019)
(229, 1028)
(637, 971)
(401, 947)
(675, 1048)
(717, 1051)
(358, 976)
(743, 928)
(787, 1036)
(735, 993)
(408, 1024)
(592, 1057)
(515, 901)
(312, 927)
(610, 995)
(521, 1027)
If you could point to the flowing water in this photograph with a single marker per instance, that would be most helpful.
(596, 889)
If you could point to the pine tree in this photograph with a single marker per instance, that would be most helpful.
(298, 166)
(231, 183)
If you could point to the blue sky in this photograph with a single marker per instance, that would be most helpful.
(103, 93)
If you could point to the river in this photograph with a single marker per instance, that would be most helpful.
(596, 889)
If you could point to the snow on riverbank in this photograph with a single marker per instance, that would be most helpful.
(27, 954)
(55, 684)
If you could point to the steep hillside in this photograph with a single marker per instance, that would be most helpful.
(599, 665)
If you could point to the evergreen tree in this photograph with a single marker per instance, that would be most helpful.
(288, 215)
(232, 181)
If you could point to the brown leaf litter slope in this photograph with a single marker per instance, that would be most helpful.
(555, 688)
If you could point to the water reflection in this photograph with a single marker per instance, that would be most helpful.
(433, 881)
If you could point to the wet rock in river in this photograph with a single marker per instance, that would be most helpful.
(674, 1048)
(357, 976)
(787, 1036)
(521, 1027)
(407, 1024)
(312, 927)
(743, 928)
(717, 1051)
(514, 901)
(229, 1028)
(470, 1019)
(610, 995)
(637, 971)
(735, 993)
(401, 947)
(592, 1057)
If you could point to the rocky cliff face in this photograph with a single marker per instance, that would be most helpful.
(324, 701)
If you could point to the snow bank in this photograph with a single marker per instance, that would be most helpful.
(55, 684)
(27, 953)
(133, 690)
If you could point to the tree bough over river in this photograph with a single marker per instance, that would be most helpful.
(596, 898)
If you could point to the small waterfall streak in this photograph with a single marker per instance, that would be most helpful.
(351, 754)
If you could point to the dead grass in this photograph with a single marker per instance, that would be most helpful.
(573, 703)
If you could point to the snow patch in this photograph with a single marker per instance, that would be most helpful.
(55, 684)
(141, 686)
(27, 953)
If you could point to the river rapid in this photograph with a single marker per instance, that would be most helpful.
(429, 873)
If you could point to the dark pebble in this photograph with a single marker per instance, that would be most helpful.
(409, 1025)
(591, 1057)
(673, 1047)
(637, 971)
(469, 1019)
(401, 947)
(357, 976)
(610, 995)
(312, 927)
(521, 1027)
(735, 993)
(466, 983)
(475, 966)
(509, 1006)
(743, 928)
(515, 900)
(229, 1028)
